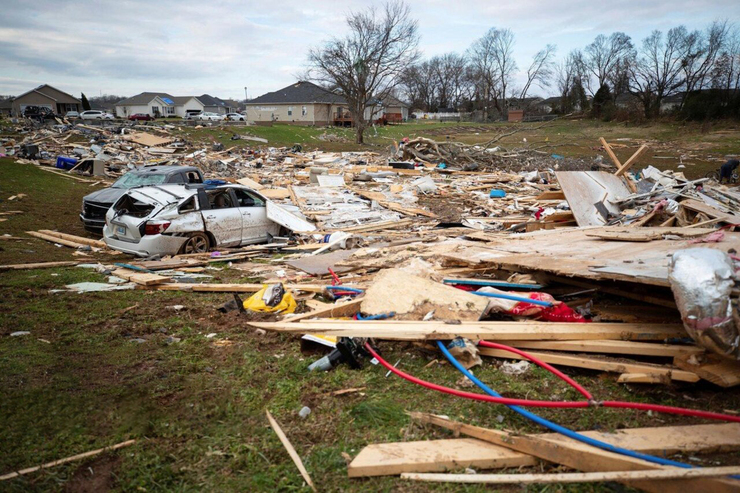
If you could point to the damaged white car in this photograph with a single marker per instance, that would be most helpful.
(172, 219)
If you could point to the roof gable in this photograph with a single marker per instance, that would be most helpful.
(145, 98)
(300, 92)
(40, 89)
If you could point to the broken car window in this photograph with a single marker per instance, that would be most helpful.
(247, 199)
(220, 199)
(188, 206)
(194, 177)
(130, 180)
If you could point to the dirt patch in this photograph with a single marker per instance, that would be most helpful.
(94, 476)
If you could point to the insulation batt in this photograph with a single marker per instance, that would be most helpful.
(702, 280)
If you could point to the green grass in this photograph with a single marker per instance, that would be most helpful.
(699, 147)
(80, 380)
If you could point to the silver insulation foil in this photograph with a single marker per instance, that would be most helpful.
(702, 280)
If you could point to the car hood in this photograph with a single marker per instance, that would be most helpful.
(105, 196)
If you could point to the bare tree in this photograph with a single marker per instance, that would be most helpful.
(701, 50)
(493, 67)
(541, 70)
(605, 56)
(726, 71)
(368, 62)
(657, 71)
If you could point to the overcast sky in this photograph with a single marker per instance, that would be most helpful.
(188, 47)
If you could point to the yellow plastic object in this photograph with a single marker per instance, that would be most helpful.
(257, 303)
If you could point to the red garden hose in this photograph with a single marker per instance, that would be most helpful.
(552, 404)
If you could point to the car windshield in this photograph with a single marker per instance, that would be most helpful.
(130, 180)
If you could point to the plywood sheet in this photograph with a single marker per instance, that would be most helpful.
(583, 189)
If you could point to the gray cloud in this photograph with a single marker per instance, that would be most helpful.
(191, 47)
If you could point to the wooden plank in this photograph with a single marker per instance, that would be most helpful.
(38, 265)
(643, 378)
(502, 331)
(597, 364)
(719, 371)
(441, 455)
(610, 152)
(291, 451)
(237, 288)
(580, 456)
(549, 195)
(77, 239)
(249, 183)
(709, 211)
(346, 309)
(275, 193)
(59, 462)
(289, 448)
(140, 278)
(384, 459)
(631, 161)
(611, 347)
(54, 239)
(576, 477)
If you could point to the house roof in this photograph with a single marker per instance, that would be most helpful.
(145, 97)
(209, 100)
(178, 100)
(391, 101)
(551, 100)
(40, 89)
(300, 92)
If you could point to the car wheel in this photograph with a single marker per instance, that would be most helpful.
(196, 243)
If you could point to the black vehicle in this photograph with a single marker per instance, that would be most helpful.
(38, 113)
(96, 204)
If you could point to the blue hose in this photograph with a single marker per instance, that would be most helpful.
(556, 427)
(512, 298)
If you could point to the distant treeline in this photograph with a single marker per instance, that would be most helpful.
(694, 74)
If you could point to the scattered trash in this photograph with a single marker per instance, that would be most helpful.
(517, 368)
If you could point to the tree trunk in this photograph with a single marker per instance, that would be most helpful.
(360, 130)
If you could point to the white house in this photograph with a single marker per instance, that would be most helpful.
(160, 104)
(185, 104)
(149, 103)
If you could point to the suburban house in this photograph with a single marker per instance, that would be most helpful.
(212, 104)
(48, 97)
(394, 110)
(149, 103)
(302, 103)
(305, 103)
(162, 105)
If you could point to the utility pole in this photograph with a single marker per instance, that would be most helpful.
(245, 94)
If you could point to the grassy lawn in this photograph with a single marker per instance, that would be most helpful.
(92, 373)
(700, 148)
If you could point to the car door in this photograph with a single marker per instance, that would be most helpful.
(223, 220)
(255, 225)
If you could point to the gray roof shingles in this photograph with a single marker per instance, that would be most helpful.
(300, 92)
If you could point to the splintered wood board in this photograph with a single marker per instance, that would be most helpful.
(573, 253)
(383, 459)
(141, 278)
(501, 331)
(275, 193)
(583, 189)
(611, 347)
(722, 372)
(599, 364)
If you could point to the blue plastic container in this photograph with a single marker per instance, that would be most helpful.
(66, 162)
(497, 194)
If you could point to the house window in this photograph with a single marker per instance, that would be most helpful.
(290, 110)
(303, 111)
(169, 110)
